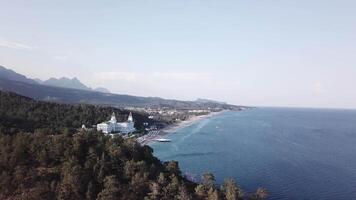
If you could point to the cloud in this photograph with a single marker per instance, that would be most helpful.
(15, 45)
(181, 76)
(319, 88)
(112, 76)
(60, 58)
(154, 76)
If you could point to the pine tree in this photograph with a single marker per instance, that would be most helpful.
(231, 190)
(111, 189)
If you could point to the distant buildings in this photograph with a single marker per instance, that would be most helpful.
(113, 126)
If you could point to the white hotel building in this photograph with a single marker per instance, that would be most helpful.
(113, 126)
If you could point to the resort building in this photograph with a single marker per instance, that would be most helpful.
(113, 126)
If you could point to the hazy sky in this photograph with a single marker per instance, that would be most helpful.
(251, 52)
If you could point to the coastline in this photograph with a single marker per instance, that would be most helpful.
(151, 137)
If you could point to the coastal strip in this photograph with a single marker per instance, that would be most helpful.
(154, 135)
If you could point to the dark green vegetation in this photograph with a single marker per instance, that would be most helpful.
(18, 113)
(41, 159)
(14, 82)
(89, 165)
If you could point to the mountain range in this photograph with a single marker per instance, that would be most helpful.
(73, 83)
(67, 90)
(13, 76)
(63, 82)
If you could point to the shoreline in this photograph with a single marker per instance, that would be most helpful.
(151, 137)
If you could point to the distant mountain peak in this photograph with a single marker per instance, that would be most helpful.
(102, 90)
(200, 100)
(65, 82)
(38, 80)
(9, 74)
(73, 83)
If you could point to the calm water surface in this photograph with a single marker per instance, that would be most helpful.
(294, 153)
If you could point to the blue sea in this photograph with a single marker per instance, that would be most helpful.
(294, 153)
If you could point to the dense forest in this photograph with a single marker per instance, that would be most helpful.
(19, 113)
(87, 164)
(90, 165)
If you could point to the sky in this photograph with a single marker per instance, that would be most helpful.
(246, 52)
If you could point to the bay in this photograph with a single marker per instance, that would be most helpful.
(294, 153)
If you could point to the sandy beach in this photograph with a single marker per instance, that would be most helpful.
(154, 135)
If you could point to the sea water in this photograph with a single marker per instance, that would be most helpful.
(294, 153)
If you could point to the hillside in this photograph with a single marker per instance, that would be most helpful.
(66, 95)
(84, 166)
(13, 76)
(73, 83)
(19, 113)
(88, 165)
(64, 82)
(101, 89)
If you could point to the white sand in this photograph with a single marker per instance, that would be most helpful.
(143, 140)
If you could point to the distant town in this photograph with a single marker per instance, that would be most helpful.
(166, 119)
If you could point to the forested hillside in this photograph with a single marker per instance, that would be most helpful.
(89, 165)
(83, 166)
(22, 113)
